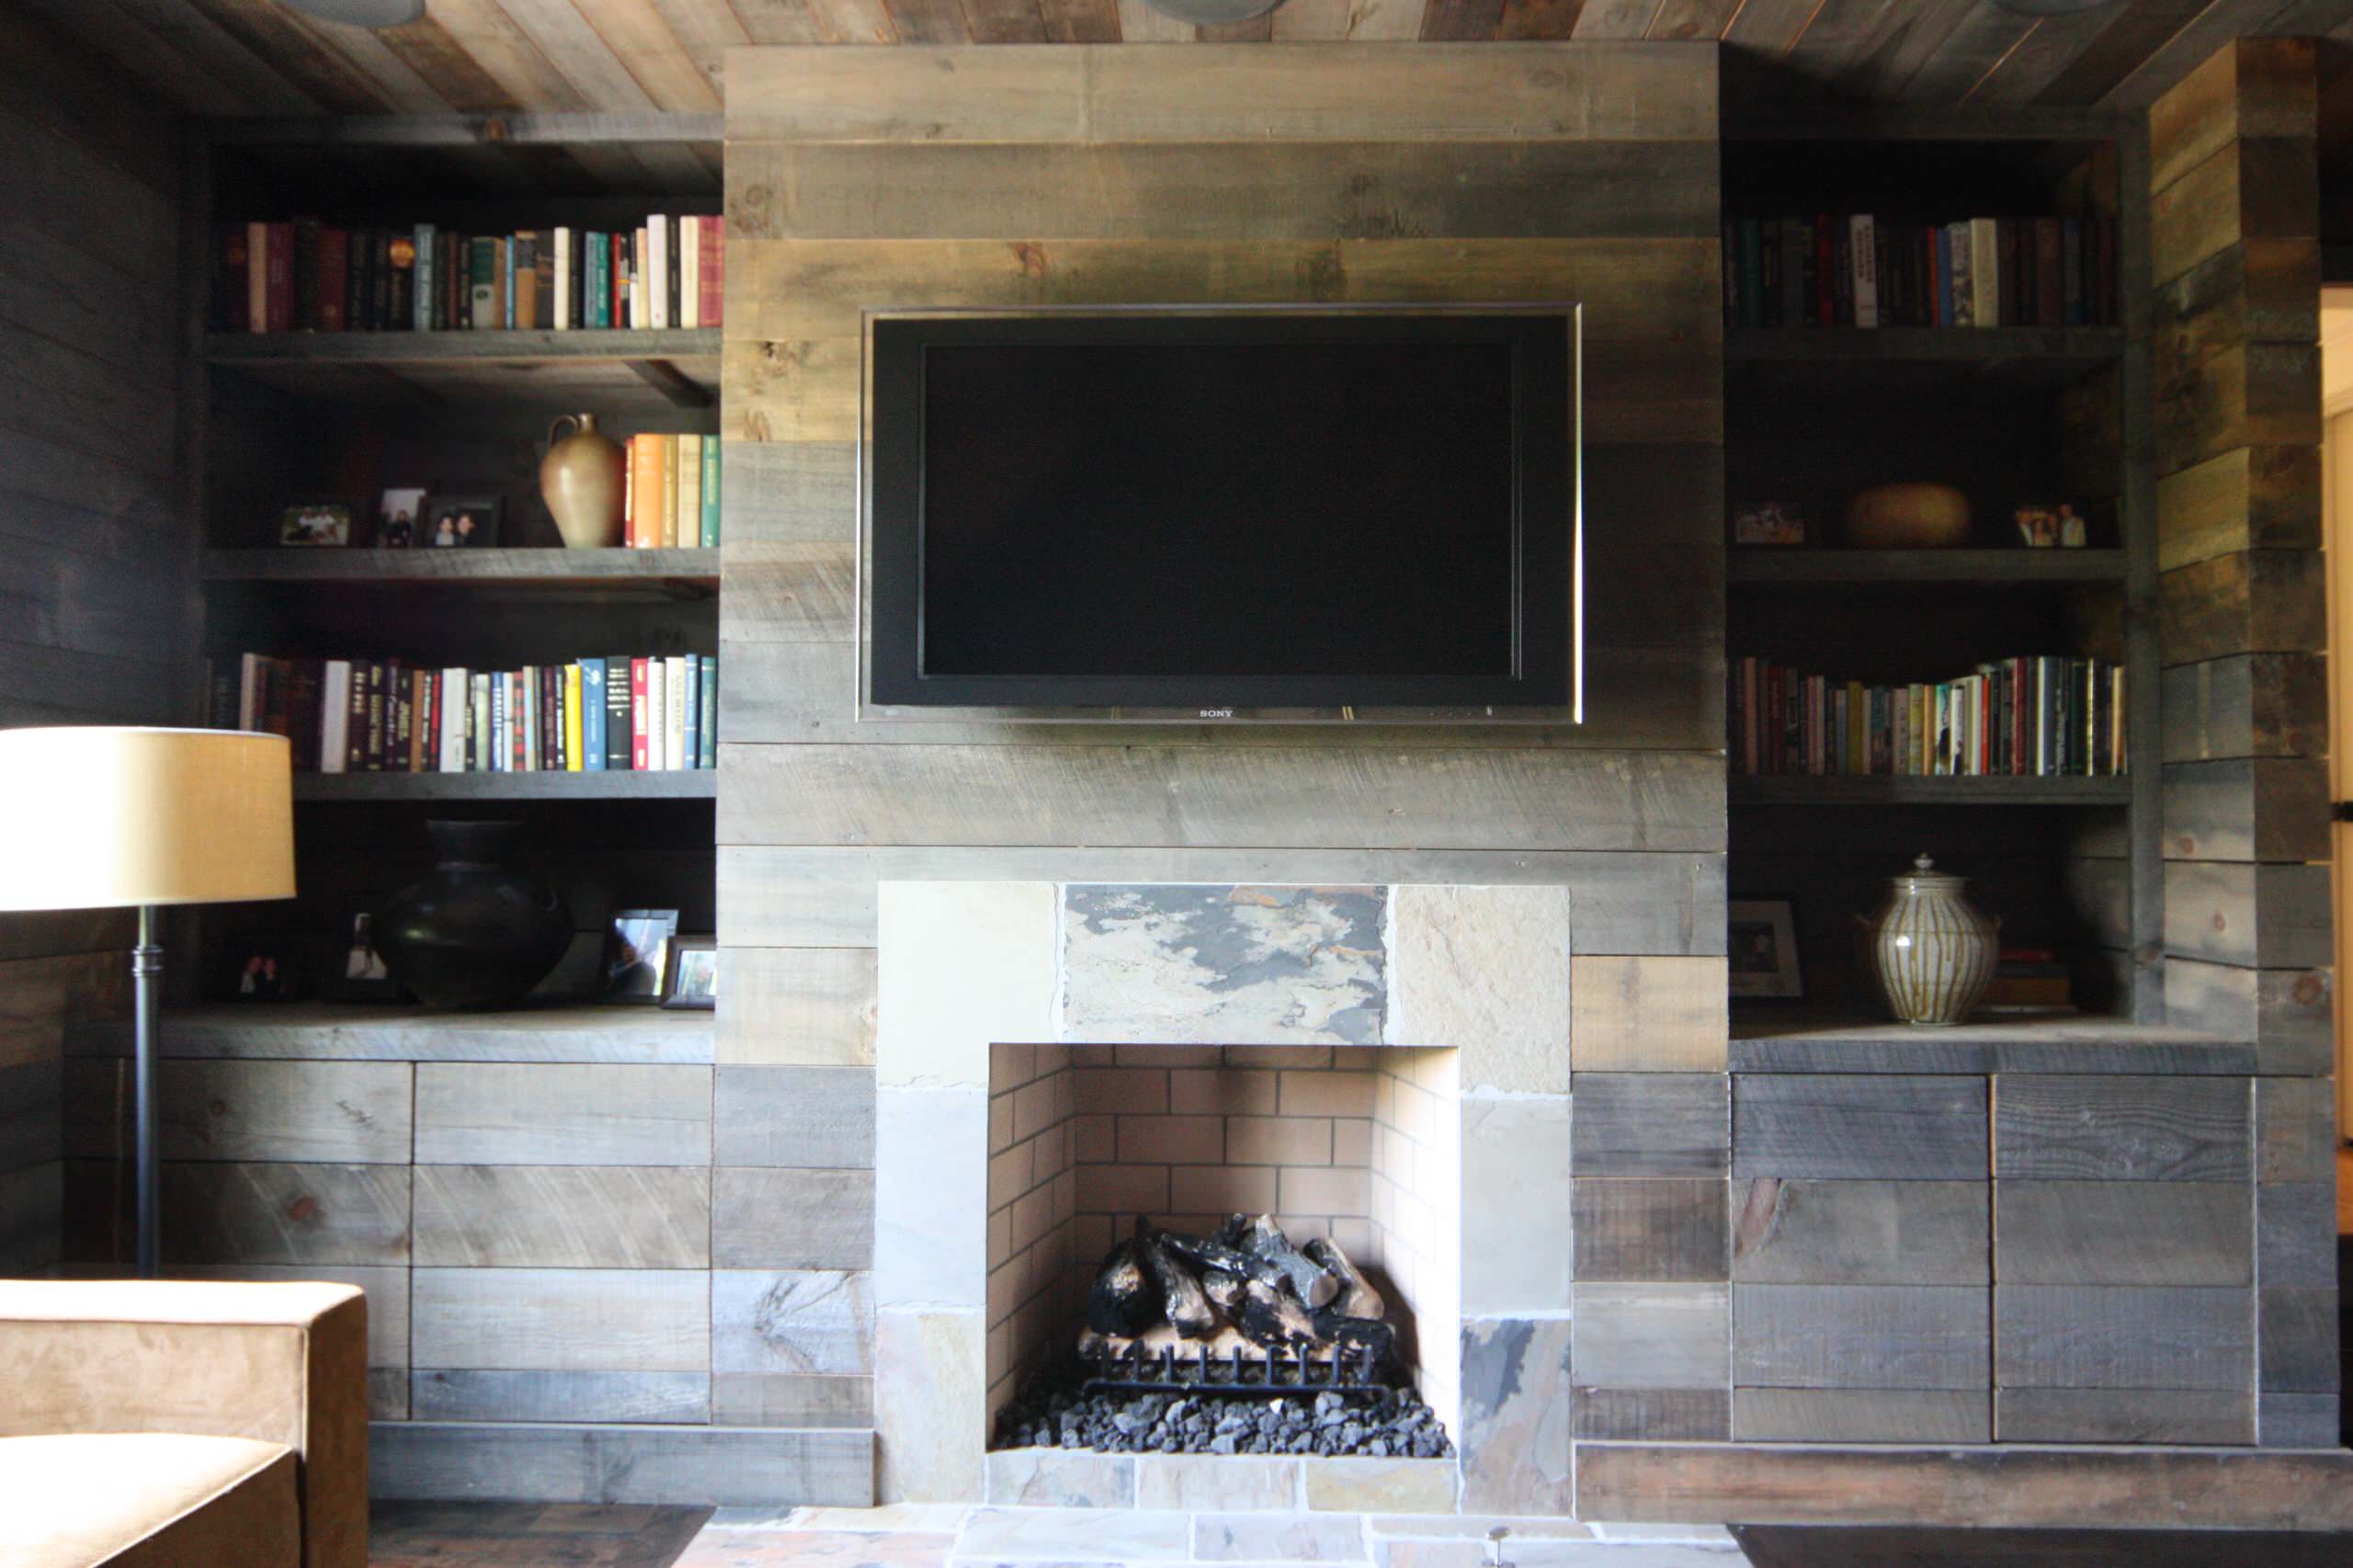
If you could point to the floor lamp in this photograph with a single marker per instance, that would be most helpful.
(105, 818)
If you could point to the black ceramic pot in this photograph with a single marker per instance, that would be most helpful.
(477, 933)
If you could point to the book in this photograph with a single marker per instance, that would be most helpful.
(641, 297)
(641, 698)
(593, 712)
(686, 681)
(2049, 274)
(618, 707)
(689, 526)
(644, 520)
(667, 506)
(1985, 273)
(689, 245)
(674, 712)
(567, 293)
(575, 727)
(278, 303)
(1864, 254)
(709, 733)
(423, 316)
(712, 299)
(523, 268)
(482, 291)
(709, 521)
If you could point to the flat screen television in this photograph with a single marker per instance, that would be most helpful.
(1217, 510)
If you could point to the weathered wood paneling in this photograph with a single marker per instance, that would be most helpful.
(1862, 1416)
(2123, 1415)
(1660, 1015)
(2122, 1336)
(1883, 1337)
(1860, 1233)
(562, 1216)
(1649, 1124)
(604, 1463)
(2123, 1233)
(2247, 809)
(355, 1112)
(2117, 1128)
(1856, 1127)
(563, 1320)
(513, 1115)
(1667, 1229)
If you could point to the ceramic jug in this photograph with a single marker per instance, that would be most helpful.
(583, 481)
(1931, 952)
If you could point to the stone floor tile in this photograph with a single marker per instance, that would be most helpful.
(1060, 1478)
(1476, 1527)
(716, 1548)
(1617, 1554)
(1242, 1483)
(1279, 1538)
(1361, 1485)
(1429, 1554)
(923, 1518)
(1076, 1535)
(1702, 1535)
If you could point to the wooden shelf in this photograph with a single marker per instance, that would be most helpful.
(1765, 1039)
(1793, 568)
(624, 375)
(1865, 356)
(486, 568)
(1808, 790)
(695, 785)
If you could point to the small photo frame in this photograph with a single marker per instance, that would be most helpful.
(637, 954)
(460, 522)
(693, 978)
(261, 966)
(329, 523)
(1761, 936)
(356, 971)
(400, 518)
(1769, 523)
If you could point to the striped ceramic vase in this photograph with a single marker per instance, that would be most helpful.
(1930, 950)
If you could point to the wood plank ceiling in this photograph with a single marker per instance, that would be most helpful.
(255, 57)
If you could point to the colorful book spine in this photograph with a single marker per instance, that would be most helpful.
(593, 712)
(641, 700)
(710, 520)
(575, 726)
(708, 758)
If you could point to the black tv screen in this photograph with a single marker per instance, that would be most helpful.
(1223, 509)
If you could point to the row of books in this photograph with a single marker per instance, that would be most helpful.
(1859, 272)
(305, 275)
(671, 487)
(648, 713)
(2035, 717)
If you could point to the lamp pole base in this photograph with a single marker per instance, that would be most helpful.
(147, 988)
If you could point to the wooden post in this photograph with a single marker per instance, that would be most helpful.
(2234, 318)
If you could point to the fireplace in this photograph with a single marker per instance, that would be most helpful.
(1065, 1067)
(1270, 1228)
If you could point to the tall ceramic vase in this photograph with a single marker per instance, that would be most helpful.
(583, 481)
(1929, 948)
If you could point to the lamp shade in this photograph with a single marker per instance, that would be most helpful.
(99, 818)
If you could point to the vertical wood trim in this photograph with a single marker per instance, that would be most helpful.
(2142, 718)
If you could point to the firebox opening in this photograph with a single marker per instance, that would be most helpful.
(1224, 1250)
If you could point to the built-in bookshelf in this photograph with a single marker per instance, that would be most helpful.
(457, 406)
(2009, 414)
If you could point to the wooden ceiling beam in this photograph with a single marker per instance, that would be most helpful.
(1679, 19)
(643, 127)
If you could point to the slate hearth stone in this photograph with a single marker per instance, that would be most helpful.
(1178, 962)
(1051, 1414)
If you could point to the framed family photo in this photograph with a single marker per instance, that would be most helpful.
(637, 954)
(693, 980)
(460, 522)
(1762, 937)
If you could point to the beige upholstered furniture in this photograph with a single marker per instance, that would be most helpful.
(163, 1423)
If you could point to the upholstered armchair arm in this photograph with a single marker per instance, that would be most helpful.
(286, 1363)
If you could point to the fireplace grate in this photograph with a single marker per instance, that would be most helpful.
(1357, 1370)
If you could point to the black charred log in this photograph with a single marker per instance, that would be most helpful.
(1183, 1301)
(1125, 1299)
(1262, 1239)
(1357, 1298)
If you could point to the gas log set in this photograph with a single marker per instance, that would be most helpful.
(1233, 1343)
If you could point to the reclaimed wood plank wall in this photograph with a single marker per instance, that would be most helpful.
(2233, 227)
(100, 580)
(1018, 176)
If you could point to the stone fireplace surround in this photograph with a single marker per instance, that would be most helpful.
(1043, 1033)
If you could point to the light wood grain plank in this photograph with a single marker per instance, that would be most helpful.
(821, 897)
(1854, 1127)
(453, 1394)
(1862, 1416)
(2247, 809)
(1647, 1014)
(563, 1320)
(1314, 92)
(793, 1219)
(2254, 916)
(806, 1117)
(562, 1216)
(856, 795)
(1861, 1233)
(478, 1114)
(231, 1212)
(347, 1112)
(798, 1006)
(607, 1464)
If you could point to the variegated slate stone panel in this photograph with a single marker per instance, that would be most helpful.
(1175, 963)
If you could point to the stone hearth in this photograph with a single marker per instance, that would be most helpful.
(1181, 1052)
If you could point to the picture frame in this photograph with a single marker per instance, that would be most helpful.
(1761, 938)
(691, 979)
(460, 522)
(325, 522)
(262, 966)
(356, 971)
(400, 518)
(1780, 525)
(637, 954)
